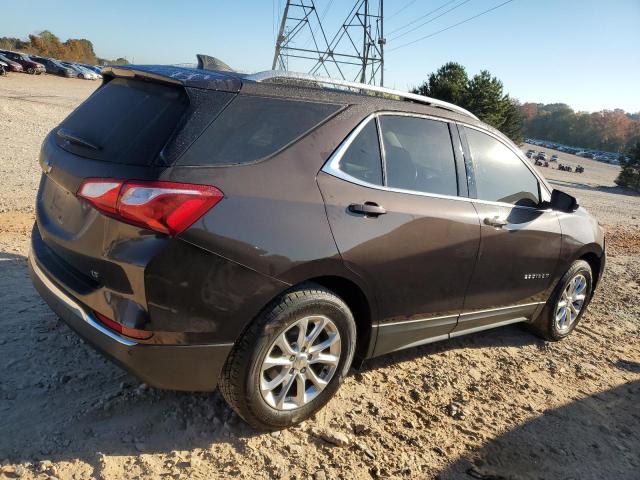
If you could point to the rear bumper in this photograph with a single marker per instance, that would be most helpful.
(172, 367)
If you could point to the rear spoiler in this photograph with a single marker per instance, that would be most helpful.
(186, 77)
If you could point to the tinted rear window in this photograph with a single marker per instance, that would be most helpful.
(252, 128)
(128, 120)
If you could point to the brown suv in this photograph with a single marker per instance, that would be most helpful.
(264, 232)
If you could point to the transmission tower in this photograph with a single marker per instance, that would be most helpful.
(355, 52)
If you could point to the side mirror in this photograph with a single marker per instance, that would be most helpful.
(563, 202)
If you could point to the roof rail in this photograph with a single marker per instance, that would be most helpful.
(434, 102)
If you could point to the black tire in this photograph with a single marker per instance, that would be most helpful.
(31, 71)
(241, 374)
(545, 325)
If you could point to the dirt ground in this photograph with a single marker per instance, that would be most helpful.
(496, 405)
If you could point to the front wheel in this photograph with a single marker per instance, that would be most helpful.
(567, 304)
(31, 71)
(291, 360)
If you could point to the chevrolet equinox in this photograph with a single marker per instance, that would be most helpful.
(263, 233)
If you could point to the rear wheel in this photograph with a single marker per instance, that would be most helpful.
(31, 70)
(291, 360)
(567, 304)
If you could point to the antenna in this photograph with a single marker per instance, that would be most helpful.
(355, 52)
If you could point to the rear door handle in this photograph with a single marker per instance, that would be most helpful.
(496, 222)
(368, 209)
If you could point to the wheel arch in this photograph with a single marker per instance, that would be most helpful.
(595, 262)
(361, 308)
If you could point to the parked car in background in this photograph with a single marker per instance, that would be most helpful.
(54, 67)
(28, 65)
(81, 72)
(531, 153)
(94, 68)
(542, 163)
(11, 65)
(579, 169)
(90, 74)
(175, 250)
(554, 158)
(541, 156)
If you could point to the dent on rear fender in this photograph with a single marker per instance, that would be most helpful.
(203, 296)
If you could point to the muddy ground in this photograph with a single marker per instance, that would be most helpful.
(499, 404)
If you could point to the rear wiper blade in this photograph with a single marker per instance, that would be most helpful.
(72, 138)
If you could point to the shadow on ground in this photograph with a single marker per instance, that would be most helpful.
(600, 440)
(62, 401)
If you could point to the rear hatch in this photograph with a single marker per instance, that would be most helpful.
(133, 127)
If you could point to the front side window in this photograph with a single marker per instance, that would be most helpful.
(418, 155)
(362, 159)
(500, 175)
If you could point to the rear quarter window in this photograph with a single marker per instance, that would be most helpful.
(252, 128)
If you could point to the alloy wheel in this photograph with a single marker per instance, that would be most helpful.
(571, 302)
(300, 363)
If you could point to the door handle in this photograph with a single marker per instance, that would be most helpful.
(368, 209)
(495, 222)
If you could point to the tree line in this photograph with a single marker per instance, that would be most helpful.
(46, 44)
(483, 95)
(607, 130)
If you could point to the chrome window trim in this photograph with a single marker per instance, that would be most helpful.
(332, 165)
(69, 302)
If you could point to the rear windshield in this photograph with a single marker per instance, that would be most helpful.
(126, 121)
(252, 128)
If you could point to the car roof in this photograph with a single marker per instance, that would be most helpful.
(284, 84)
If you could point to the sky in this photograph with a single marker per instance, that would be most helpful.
(583, 53)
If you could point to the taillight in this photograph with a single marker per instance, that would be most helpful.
(166, 207)
(118, 327)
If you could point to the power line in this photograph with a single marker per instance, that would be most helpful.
(429, 21)
(422, 16)
(450, 26)
(408, 4)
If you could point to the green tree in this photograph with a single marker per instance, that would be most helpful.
(485, 98)
(482, 95)
(511, 124)
(449, 83)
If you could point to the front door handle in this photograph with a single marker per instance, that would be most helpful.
(495, 222)
(368, 209)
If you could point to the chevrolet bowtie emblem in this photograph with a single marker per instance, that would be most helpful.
(46, 165)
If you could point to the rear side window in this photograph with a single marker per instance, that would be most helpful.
(126, 121)
(362, 159)
(500, 175)
(418, 155)
(252, 128)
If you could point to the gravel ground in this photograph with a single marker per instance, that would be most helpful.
(496, 405)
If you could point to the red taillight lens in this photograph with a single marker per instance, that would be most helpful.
(165, 207)
(118, 327)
